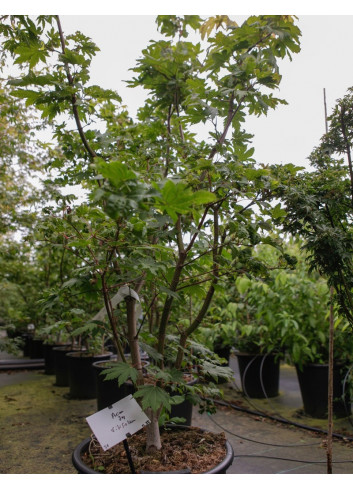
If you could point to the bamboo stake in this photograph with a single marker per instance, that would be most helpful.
(330, 363)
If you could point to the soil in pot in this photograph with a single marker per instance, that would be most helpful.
(259, 375)
(184, 449)
(82, 381)
(313, 382)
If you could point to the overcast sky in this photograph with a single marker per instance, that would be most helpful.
(287, 134)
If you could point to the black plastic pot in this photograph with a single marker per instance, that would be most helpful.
(36, 348)
(108, 391)
(27, 340)
(82, 468)
(184, 409)
(49, 368)
(259, 374)
(82, 381)
(313, 382)
(223, 352)
(61, 369)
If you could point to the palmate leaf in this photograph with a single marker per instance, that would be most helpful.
(31, 53)
(121, 371)
(178, 198)
(217, 371)
(116, 172)
(153, 397)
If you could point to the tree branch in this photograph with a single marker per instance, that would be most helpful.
(70, 79)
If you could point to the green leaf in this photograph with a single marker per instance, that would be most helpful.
(31, 96)
(151, 352)
(31, 53)
(243, 284)
(121, 371)
(178, 198)
(278, 212)
(217, 371)
(73, 58)
(116, 172)
(153, 397)
(175, 400)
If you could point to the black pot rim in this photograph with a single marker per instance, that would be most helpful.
(98, 365)
(77, 354)
(239, 353)
(69, 348)
(81, 467)
(322, 365)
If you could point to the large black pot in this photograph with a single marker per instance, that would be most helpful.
(61, 369)
(108, 391)
(36, 348)
(223, 352)
(259, 374)
(82, 468)
(82, 381)
(313, 382)
(49, 367)
(27, 341)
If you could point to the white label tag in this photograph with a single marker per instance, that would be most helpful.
(112, 424)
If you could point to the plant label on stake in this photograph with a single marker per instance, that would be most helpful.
(112, 424)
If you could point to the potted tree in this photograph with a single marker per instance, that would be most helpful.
(318, 207)
(306, 341)
(168, 216)
(257, 341)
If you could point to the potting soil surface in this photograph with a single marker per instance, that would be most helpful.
(40, 427)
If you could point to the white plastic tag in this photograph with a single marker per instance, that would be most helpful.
(112, 424)
(116, 299)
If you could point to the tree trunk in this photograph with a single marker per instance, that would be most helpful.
(153, 441)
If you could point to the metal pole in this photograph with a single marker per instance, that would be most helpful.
(129, 458)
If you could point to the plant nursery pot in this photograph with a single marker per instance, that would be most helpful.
(223, 352)
(313, 383)
(36, 348)
(27, 340)
(259, 374)
(82, 381)
(49, 368)
(109, 391)
(220, 468)
(184, 409)
(61, 369)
